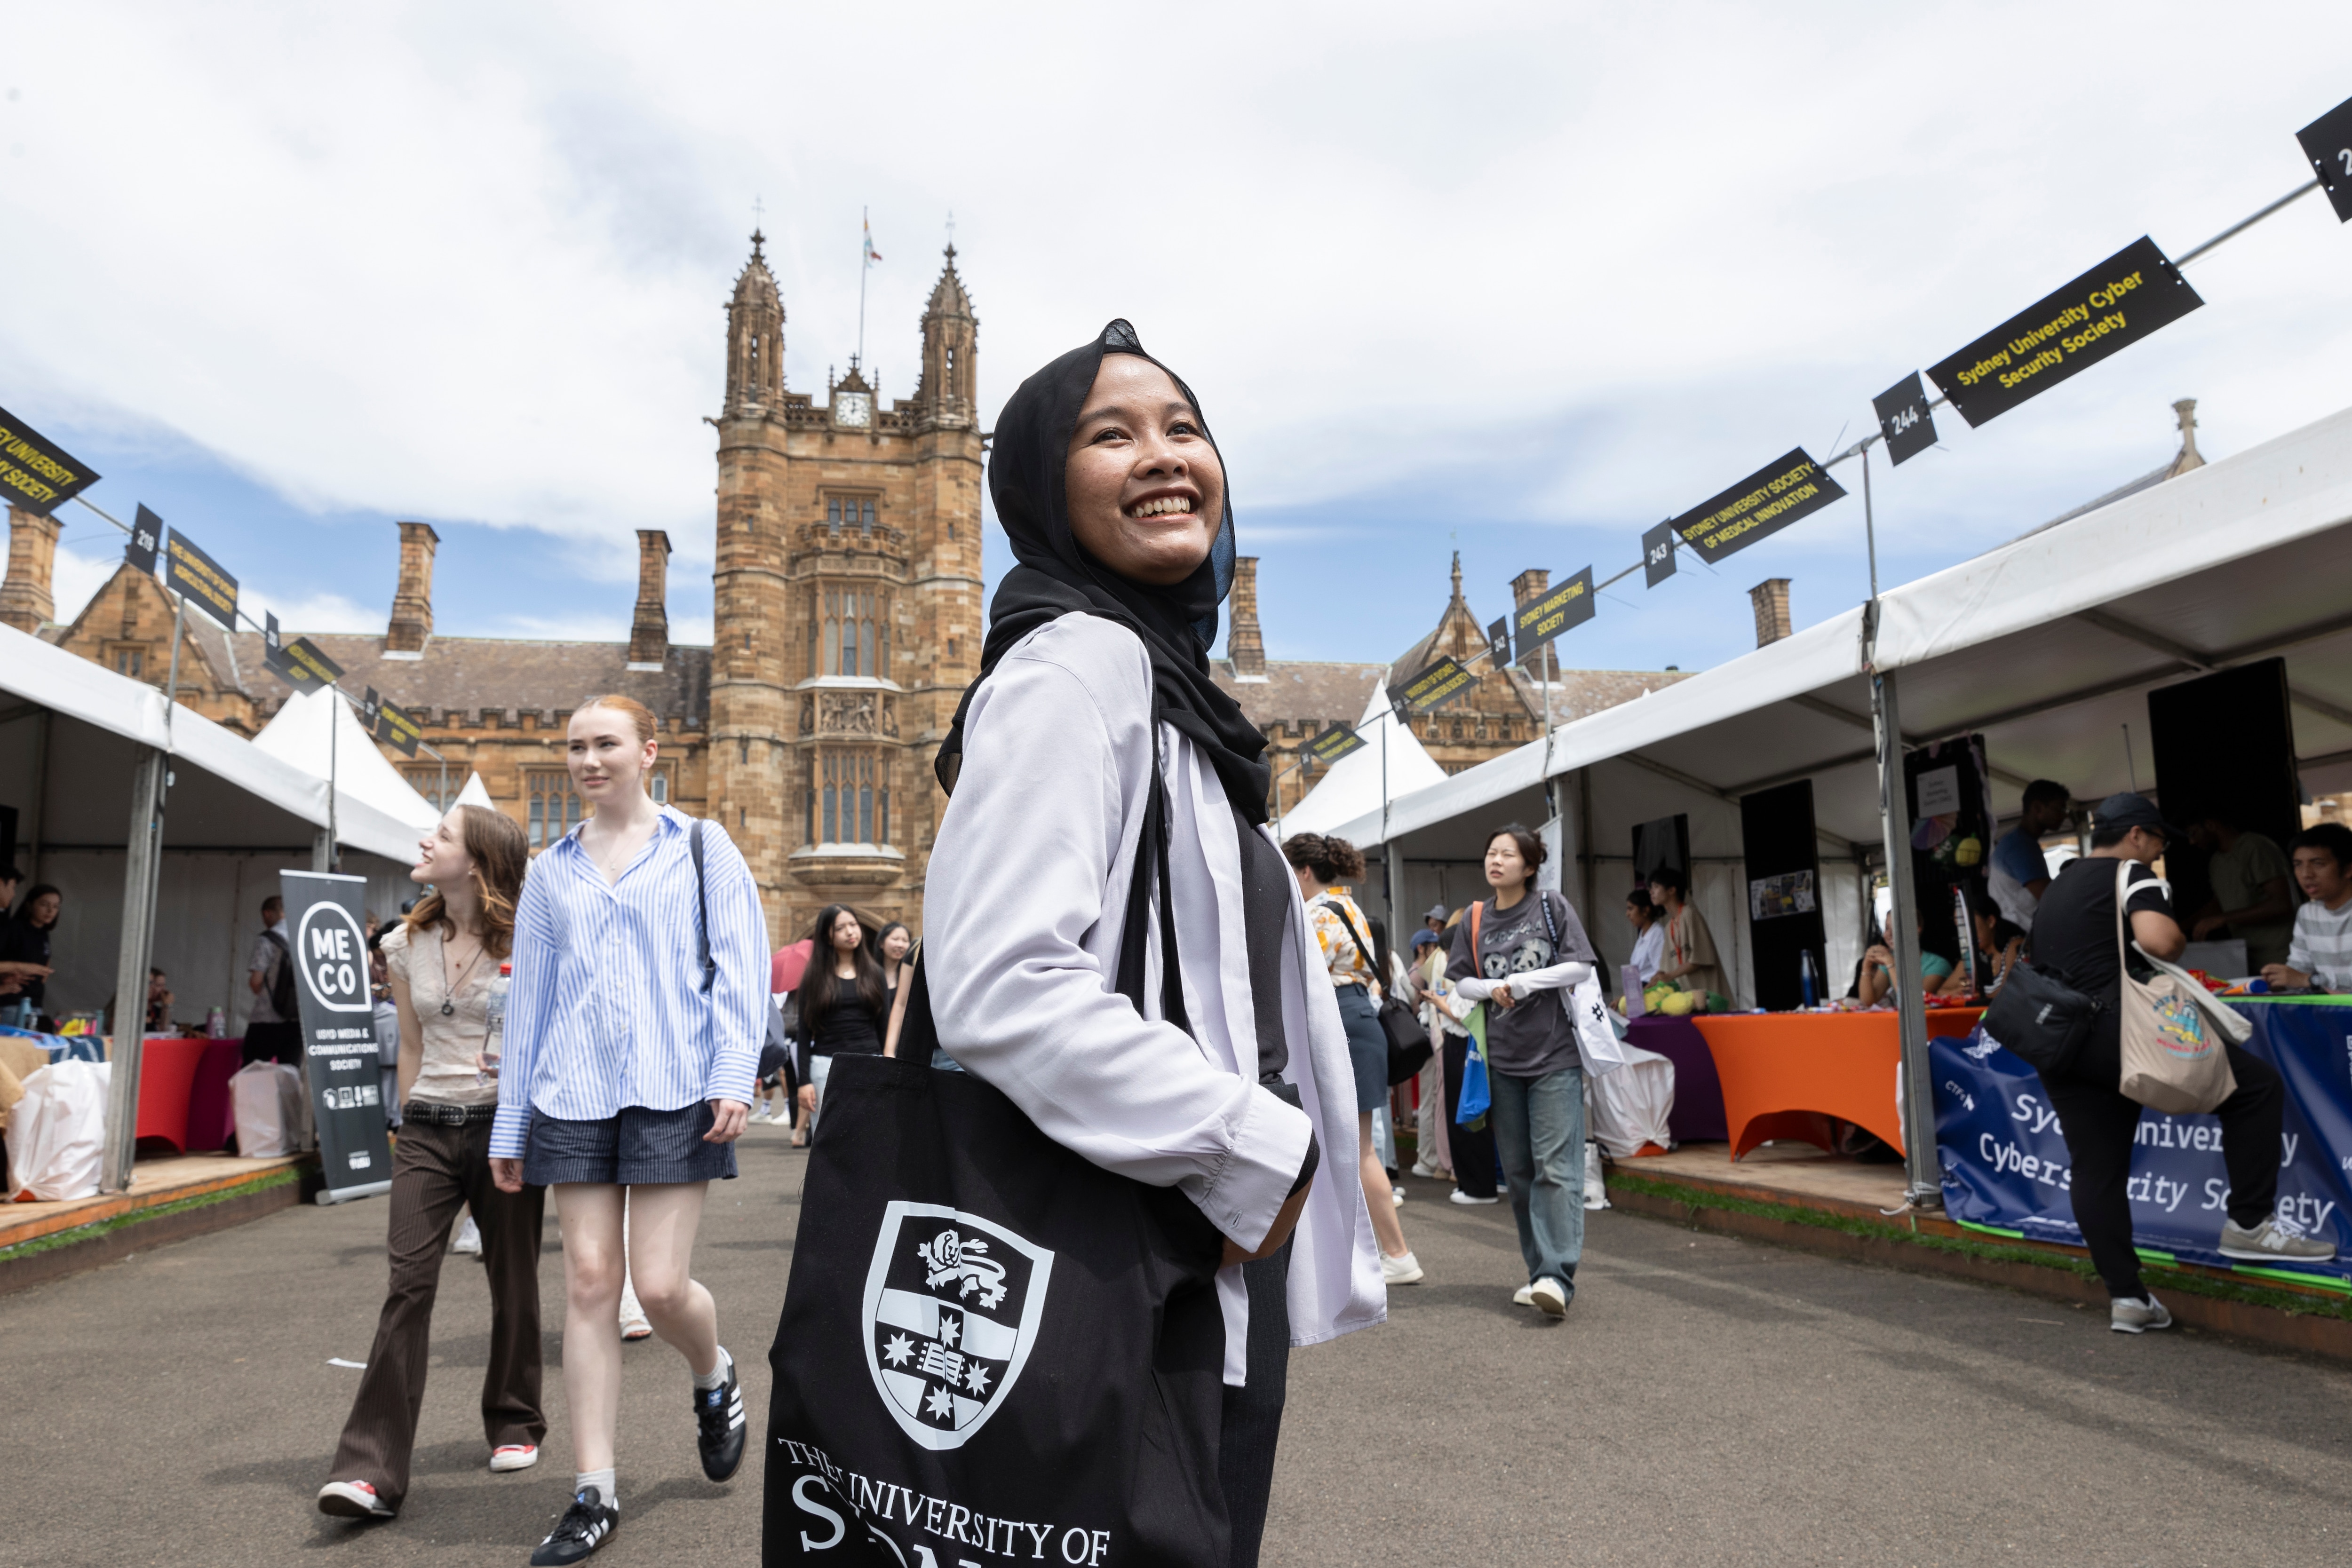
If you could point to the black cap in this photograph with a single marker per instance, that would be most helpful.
(2121, 813)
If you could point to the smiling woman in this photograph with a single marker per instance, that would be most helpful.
(1116, 956)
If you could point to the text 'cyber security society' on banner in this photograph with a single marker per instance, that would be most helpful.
(2006, 1167)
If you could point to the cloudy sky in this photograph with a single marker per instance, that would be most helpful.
(1518, 281)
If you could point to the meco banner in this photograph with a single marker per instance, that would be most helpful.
(2109, 308)
(36, 475)
(326, 926)
(2006, 1167)
(1757, 508)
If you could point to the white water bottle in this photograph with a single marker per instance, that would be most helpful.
(494, 1041)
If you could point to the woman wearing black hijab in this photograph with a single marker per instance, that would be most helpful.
(1113, 495)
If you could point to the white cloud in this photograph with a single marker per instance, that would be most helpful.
(1588, 264)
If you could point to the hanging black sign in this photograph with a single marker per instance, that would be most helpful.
(326, 925)
(1333, 743)
(273, 648)
(1498, 642)
(370, 705)
(34, 474)
(1553, 611)
(1904, 420)
(2327, 142)
(1431, 689)
(2109, 308)
(1757, 508)
(308, 668)
(395, 728)
(190, 570)
(146, 534)
(1658, 554)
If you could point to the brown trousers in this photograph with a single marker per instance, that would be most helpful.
(434, 1170)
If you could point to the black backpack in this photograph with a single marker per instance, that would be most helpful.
(282, 999)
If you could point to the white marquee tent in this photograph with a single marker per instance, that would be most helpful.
(298, 735)
(2047, 645)
(81, 748)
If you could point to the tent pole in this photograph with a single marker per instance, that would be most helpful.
(1585, 850)
(1922, 1185)
(40, 794)
(142, 853)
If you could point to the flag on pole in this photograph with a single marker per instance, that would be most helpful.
(872, 256)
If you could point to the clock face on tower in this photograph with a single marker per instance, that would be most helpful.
(852, 410)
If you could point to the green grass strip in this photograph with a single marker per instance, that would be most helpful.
(2038, 1257)
(99, 1227)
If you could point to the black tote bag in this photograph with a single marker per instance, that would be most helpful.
(993, 1350)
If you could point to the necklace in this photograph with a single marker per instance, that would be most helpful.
(451, 987)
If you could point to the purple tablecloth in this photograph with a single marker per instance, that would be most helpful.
(1698, 1094)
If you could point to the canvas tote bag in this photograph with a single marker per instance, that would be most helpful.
(993, 1350)
(2173, 1059)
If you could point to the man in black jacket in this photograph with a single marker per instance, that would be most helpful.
(2074, 941)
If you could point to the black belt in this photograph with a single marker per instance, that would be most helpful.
(446, 1115)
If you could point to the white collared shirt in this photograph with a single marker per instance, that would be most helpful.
(606, 1007)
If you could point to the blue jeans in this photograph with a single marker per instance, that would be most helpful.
(1539, 1133)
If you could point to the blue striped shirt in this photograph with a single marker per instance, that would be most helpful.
(607, 1009)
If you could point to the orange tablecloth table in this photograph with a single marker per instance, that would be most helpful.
(1785, 1074)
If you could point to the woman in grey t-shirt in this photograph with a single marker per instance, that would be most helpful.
(1519, 953)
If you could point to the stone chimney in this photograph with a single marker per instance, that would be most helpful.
(649, 632)
(1771, 598)
(411, 601)
(1245, 645)
(25, 602)
(2188, 457)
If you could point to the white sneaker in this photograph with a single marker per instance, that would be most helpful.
(468, 1239)
(1545, 1293)
(352, 1499)
(759, 1112)
(1396, 1196)
(1525, 1296)
(1459, 1196)
(2269, 1242)
(514, 1457)
(1404, 1270)
(2127, 1316)
(1424, 1170)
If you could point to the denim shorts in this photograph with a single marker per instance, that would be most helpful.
(636, 1148)
(1367, 1047)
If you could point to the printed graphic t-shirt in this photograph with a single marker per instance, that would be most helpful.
(1534, 1036)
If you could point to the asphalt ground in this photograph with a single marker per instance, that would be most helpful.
(1708, 1401)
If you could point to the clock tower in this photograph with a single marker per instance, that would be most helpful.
(847, 609)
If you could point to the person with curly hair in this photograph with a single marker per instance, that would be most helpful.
(1353, 965)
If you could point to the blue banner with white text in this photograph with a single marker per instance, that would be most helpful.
(2006, 1167)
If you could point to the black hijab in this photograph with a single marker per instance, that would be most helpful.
(1055, 577)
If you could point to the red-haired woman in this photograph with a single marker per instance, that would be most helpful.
(440, 961)
(633, 1038)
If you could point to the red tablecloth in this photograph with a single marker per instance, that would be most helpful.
(167, 1077)
(212, 1115)
(1785, 1074)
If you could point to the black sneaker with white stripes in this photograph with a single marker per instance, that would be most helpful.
(587, 1524)
(719, 1414)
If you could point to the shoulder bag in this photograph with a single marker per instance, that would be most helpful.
(2173, 1057)
(993, 1350)
(1408, 1047)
